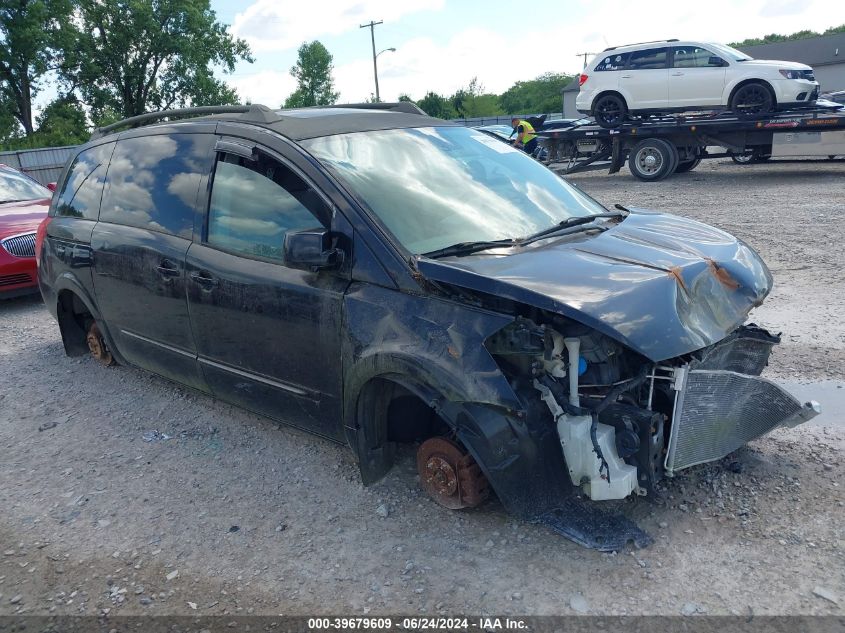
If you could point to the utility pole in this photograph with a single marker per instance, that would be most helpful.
(372, 26)
(584, 55)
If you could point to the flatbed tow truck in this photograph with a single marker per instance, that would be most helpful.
(657, 147)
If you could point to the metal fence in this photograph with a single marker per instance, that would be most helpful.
(44, 165)
(504, 119)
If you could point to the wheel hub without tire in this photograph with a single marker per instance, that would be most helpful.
(450, 475)
(97, 345)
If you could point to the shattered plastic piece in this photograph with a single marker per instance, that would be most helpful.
(155, 436)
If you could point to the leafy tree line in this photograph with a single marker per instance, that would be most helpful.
(798, 35)
(110, 58)
(538, 95)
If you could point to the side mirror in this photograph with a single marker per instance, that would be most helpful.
(312, 250)
(716, 61)
(51, 186)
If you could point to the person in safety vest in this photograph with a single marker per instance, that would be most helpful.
(525, 136)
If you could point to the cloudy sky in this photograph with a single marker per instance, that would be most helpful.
(442, 44)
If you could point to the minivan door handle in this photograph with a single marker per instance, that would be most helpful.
(678, 74)
(205, 280)
(626, 76)
(168, 269)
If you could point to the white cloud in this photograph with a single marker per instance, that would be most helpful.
(269, 25)
(268, 87)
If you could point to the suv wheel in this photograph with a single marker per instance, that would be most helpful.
(609, 111)
(653, 159)
(751, 99)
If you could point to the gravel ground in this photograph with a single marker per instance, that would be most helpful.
(232, 513)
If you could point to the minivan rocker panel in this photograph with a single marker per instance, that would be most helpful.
(553, 366)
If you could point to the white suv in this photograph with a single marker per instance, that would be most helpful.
(673, 76)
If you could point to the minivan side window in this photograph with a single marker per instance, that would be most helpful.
(152, 181)
(81, 192)
(255, 203)
(694, 57)
(616, 61)
(648, 59)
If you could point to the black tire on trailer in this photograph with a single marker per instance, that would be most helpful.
(752, 99)
(687, 165)
(742, 159)
(652, 159)
(610, 110)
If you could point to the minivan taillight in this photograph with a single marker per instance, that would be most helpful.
(40, 234)
(582, 79)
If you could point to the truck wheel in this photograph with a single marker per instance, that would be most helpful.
(652, 159)
(752, 99)
(610, 110)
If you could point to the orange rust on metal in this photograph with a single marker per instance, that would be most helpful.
(97, 345)
(452, 351)
(450, 475)
(722, 275)
(675, 272)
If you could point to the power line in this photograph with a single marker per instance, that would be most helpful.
(584, 55)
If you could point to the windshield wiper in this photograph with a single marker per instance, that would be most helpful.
(569, 223)
(467, 248)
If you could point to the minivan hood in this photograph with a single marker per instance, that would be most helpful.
(659, 284)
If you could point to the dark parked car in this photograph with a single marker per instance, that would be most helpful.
(377, 276)
(23, 205)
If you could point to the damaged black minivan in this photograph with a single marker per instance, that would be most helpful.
(378, 276)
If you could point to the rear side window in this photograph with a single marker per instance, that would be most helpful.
(616, 61)
(648, 59)
(254, 204)
(153, 181)
(81, 192)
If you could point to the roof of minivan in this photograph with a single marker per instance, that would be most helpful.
(304, 123)
(308, 123)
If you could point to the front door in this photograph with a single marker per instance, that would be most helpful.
(139, 245)
(697, 77)
(268, 336)
(644, 81)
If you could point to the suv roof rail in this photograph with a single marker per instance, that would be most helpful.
(613, 48)
(253, 112)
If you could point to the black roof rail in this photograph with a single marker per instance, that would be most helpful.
(613, 48)
(255, 112)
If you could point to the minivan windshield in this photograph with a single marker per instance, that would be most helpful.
(438, 186)
(730, 52)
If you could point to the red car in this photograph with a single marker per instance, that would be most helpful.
(23, 204)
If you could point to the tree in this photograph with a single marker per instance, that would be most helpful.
(472, 101)
(62, 122)
(129, 56)
(798, 35)
(313, 73)
(28, 50)
(437, 106)
(536, 95)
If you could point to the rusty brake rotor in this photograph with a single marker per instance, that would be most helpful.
(97, 345)
(450, 475)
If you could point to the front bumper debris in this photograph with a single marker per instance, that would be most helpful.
(718, 411)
